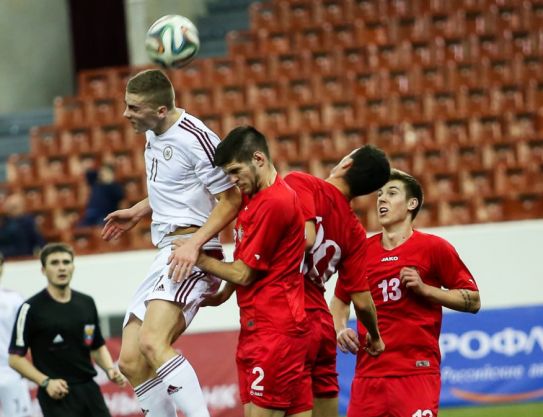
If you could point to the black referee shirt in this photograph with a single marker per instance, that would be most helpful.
(60, 336)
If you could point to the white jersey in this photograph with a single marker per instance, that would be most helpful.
(182, 177)
(10, 301)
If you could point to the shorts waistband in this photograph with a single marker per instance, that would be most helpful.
(180, 231)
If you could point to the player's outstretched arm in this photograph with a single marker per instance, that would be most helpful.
(55, 388)
(347, 339)
(457, 299)
(235, 272)
(367, 314)
(103, 359)
(184, 257)
(120, 221)
(220, 297)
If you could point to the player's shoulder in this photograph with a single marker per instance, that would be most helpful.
(194, 127)
(429, 237)
(298, 176)
(12, 295)
(374, 239)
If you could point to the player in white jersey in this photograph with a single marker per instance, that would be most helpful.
(14, 397)
(189, 198)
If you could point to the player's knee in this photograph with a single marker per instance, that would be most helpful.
(150, 345)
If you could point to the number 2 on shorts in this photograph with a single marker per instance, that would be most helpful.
(254, 386)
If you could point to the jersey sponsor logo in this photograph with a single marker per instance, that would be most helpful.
(390, 258)
(173, 389)
(167, 153)
(160, 288)
(58, 339)
(88, 334)
(422, 364)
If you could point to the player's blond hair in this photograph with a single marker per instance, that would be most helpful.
(155, 86)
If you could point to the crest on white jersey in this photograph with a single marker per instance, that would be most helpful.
(167, 153)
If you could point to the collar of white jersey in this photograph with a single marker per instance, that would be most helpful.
(175, 124)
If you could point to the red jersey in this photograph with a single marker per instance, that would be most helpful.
(409, 324)
(269, 237)
(339, 240)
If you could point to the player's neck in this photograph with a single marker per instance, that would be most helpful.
(341, 185)
(267, 178)
(60, 294)
(168, 122)
(396, 234)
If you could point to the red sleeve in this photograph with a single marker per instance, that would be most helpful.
(352, 267)
(451, 270)
(264, 233)
(305, 195)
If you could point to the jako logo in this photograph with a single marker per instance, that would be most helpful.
(477, 344)
(390, 258)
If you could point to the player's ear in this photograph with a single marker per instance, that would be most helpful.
(162, 111)
(259, 158)
(412, 203)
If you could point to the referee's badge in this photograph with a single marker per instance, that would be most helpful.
(167, 153)
(88, 336)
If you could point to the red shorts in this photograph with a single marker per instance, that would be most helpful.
(271, 371)
(321, 356)
(403, 396)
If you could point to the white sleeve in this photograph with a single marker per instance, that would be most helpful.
(203, 150)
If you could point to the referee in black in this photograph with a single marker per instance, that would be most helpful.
(60, 327)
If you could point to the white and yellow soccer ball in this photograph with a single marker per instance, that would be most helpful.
(172, 41)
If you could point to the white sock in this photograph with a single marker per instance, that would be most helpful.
(154, 399)
(183, 387)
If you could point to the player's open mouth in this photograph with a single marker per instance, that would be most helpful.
(383, 210)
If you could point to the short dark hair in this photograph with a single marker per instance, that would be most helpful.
(155, 86)
(413, 189)
(240, 145)
(51, 248)
(369, 172)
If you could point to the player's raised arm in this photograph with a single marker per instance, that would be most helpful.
(121, 221)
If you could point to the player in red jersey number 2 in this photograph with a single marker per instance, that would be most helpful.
(266, 275)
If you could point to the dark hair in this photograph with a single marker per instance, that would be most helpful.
(51, 248)
(240, 145)
(155, 86)
(1, 258)
(412, 187)
(369, 172)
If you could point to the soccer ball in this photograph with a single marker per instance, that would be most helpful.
(172, 41)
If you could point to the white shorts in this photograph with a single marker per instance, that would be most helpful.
(14, 398)
(157, 286)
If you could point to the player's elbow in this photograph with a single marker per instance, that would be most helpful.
(244, 279)
(13, 361)
(476, 303)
